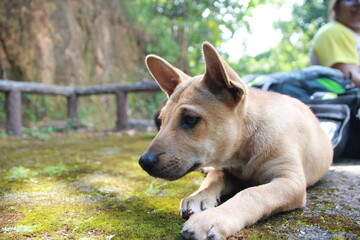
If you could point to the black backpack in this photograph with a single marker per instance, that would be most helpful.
(333, 99)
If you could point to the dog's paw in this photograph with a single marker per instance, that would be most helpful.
(197, 203)
(210, 224)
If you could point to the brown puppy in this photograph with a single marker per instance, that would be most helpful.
(263, 146)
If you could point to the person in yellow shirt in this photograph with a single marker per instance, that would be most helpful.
(337, 44)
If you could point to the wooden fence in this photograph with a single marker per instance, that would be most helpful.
(14, 89)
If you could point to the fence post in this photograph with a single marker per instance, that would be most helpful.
(72, 111)
(13, 113)
(121, 110)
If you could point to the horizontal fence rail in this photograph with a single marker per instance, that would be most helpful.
(14, 89)
(33, 87)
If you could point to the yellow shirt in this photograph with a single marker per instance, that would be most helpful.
(335, 43)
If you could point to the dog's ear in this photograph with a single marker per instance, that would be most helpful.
(221, 79)
(167, 76)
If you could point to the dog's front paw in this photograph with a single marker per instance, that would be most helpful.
(211, 224)
(197, 203)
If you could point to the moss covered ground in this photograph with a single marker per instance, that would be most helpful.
(89, 186)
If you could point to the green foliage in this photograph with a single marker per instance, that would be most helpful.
(41, 132)
(293, 50)
(144, 105)
(41, 107)
(97, 111)
(176, 29)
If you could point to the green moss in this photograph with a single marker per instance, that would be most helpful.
(90, 186)
(86, 187)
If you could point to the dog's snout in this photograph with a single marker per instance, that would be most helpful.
(148, 161)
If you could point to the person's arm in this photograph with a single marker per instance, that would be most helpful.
(351, 71)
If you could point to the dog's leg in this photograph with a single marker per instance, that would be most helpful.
(246, 207)
(207, 196)
(215, 184)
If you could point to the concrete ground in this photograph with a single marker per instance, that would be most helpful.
(332, 210)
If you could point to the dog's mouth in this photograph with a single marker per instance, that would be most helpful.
(193, 168)
(175, 177)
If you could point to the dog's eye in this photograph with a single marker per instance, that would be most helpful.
(189, 121)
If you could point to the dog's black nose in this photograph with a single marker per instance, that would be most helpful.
(148, 161)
